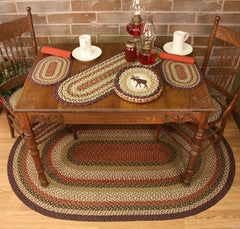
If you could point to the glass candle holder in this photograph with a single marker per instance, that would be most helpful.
(135, 26)
(138, 8)
(148, 33)
(147, 54)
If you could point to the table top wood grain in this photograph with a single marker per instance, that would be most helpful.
(37, 98)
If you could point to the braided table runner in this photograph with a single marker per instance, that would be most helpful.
(50, 70)
(180, 75)
(94, 83)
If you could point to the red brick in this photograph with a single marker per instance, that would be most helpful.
(70, 18)
(174, 18)
(27, 41)
(161, 29)
(158, 5)
(44, 6)
(199, 51)
(199, 5)
(192, 29)
(108, 29)
(113, 17)
(68, 39)
(162, 39)
(8, 7)
(96, 5)
(9, 17)
(39, 19)
(228, 18)
(231, 5)
(151, 5)
(50, 30)
(115, 39)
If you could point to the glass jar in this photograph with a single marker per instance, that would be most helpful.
(131, 51)
(147, 54)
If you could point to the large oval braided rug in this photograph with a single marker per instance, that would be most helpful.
(116, 173)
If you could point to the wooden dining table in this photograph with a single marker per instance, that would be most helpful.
(36, 103)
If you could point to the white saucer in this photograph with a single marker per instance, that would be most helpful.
(187, 49)
(96, 52)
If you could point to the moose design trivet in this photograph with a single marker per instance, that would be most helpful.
(138, 84)
(140, 81)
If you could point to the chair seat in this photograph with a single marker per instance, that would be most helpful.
(42, 131)
(217, 114)
(12, 100)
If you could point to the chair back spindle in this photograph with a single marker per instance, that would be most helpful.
(13, 38)
(14, 70)
(227, 67)
(14, 67)
(226, 72)
(229, 58)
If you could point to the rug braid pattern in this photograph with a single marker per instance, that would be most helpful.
(116, 173)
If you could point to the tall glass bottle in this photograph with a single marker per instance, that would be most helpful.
(147, 53)
(148, 32)
(134, 27)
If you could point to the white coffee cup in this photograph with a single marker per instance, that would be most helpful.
(85, 45)
(178, 41)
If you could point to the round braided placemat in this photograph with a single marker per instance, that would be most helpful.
(116, 173)
(137, 84)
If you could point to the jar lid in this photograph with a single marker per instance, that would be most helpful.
(131, 44)
(147, 45)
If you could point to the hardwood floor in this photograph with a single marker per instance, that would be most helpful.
(14, 214)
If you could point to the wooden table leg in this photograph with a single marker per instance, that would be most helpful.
(32, 146)
(202, 126)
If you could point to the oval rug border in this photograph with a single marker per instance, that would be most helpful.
(75, 217)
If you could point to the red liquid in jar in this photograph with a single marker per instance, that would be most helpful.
(134, 28)
(147, 57)
(131, 54)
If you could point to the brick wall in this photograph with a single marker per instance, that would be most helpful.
(64, 20)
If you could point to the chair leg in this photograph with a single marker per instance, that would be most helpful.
(74, 130)
(221, 131)
(158, 132)
(10, 123)
(220, 136)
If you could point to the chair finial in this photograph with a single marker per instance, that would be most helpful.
(28, 9)
(217, 18)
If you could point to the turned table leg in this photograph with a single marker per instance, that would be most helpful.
(202, 126)
(32, 146)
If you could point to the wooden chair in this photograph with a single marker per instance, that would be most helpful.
(220, 82)
(14, 69)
